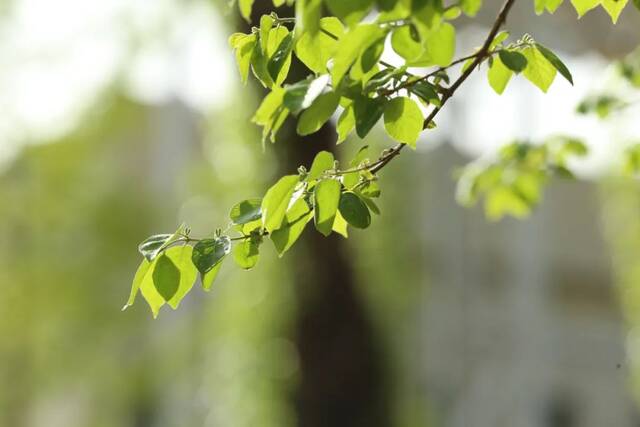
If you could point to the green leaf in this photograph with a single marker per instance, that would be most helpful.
(295, 221)
(280, 57)
(405, 44)
(259, 66)
(151, 246)
(301, 95)
(403, 120)
(246, 211)
(499, 76)
(372, 54)
(583, 6)
(266, 23)
(209, 252)
(350, 47)
(181, 257)
(321, 163)
(246, 254)
(166, 277)
(308, 14)
(351, 11)
(636, 3)
(271, 113)
(315, 51)
(142, 270)
(149, 291)
(210, 276)
(539, 70)
(426, 92)
(340, 225)
(326, 199)
(556, 62)
(513, 60)
(346, 123)
(367, 112)
(354, 210)
(470, 7)
(502, 201)
(549, 5)
(440, 45)
(276, 201)
(243, 45)
(312, 119)
(614, 8)
(245, 9)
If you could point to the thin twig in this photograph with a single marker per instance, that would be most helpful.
(480, 56)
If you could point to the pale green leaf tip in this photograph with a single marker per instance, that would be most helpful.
(125, 307)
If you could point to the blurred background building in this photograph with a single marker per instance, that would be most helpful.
(123, 118)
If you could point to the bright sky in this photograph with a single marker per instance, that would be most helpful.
(59, 56)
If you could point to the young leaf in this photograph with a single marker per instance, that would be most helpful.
(312, 119)
(351, 11)
(470, 7)
(266, 23)
(513, 60)
(209, 277)
(279, 58)
(346, 123)
(143, 268)
(556, 62)
(279, 47)
(403, 120)
(539, 70)
(440, 45)
(372, 54)
(354, 210)
(367, 112)
(246, 211)
(207, 253)
(149, 291)
(246, 254)
(243, 45)
(614, 8)
(276, 201)
(326, 199)
(583, 6)
(322, 162)
(181, 258)
(245, 8)
(295, 221)
(406, 45)
(350, 47)
(308, 14)
(499, 76)
(315, 51)
(340, 225)
(301, 95)
(166, 277)
(151, 246)
(426, 92)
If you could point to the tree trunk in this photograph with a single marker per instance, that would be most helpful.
(342, 377)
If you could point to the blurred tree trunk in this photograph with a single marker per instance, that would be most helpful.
(342, 375)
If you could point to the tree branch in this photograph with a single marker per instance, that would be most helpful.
(480, 56)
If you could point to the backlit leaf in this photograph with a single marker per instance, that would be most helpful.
(403, 120)
(276, 201)
(326, 198)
